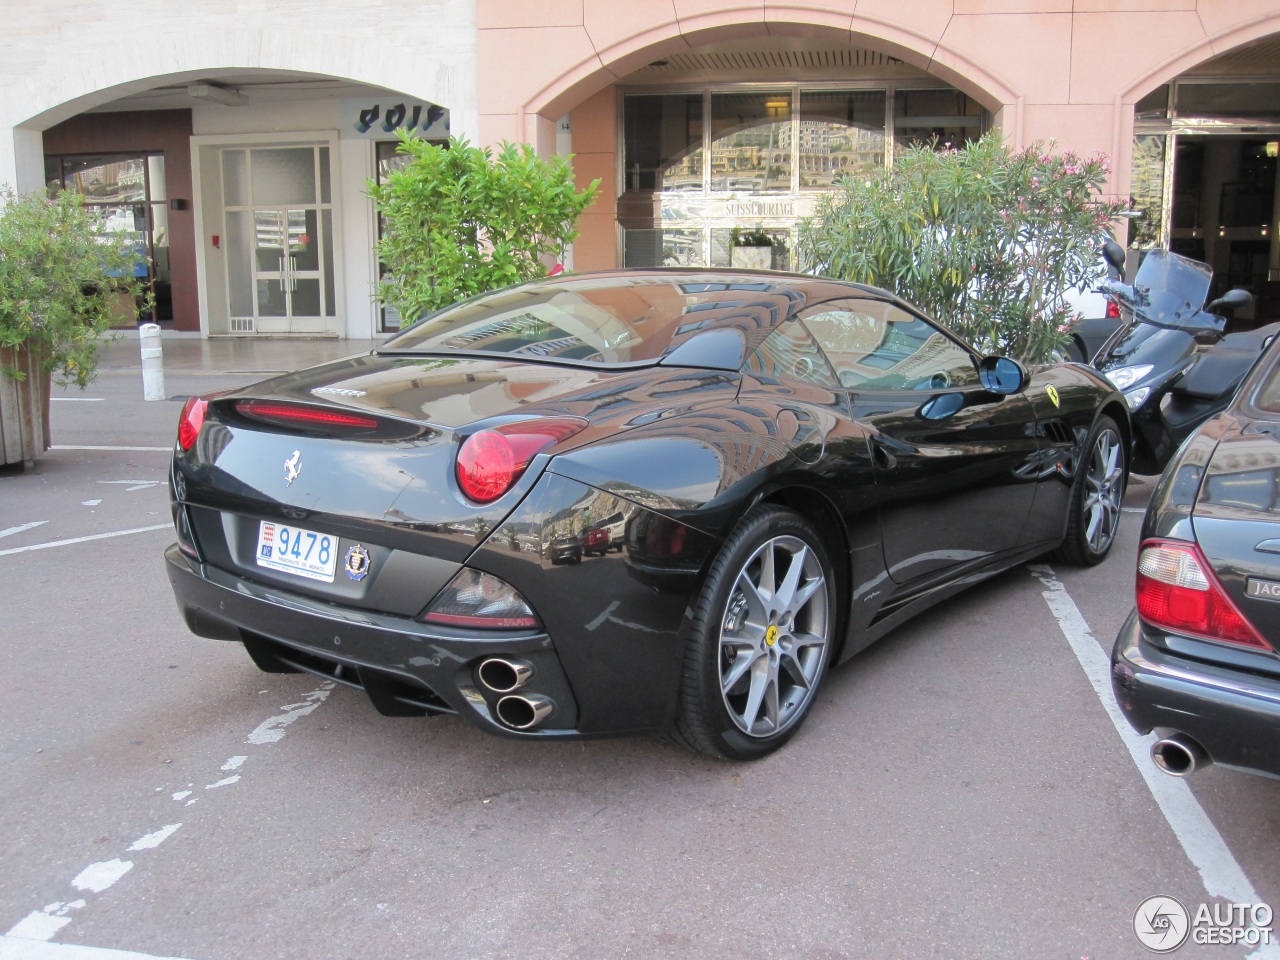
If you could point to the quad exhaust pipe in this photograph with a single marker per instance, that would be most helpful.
(505, 674)
(1179, 755)
(525, 712)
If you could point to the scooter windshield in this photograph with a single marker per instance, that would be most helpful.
(1170, 290)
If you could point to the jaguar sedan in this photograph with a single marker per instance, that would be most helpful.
(1197, 659)
(788, 467)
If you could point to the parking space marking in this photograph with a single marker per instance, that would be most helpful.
(25, 526)
(40, 926)
(77, 399)
(96, 536)
(12, 948)
(126, 449)
(1200, 839)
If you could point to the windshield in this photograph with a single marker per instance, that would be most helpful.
(601, 319)
(1170, 289)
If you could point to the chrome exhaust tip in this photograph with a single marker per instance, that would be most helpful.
(525, 712)
(505, 675)
(1179, 755)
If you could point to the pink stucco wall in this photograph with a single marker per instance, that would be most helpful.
(1062, 70)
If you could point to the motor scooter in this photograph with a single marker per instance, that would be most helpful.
(1172, 359)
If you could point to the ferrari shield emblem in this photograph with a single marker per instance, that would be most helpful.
(357, 563)
(1052, 391)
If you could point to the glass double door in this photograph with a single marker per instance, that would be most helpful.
(279, 228)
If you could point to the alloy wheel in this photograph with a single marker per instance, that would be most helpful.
(774, 637)
(1104, 490)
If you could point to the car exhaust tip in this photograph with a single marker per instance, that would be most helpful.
(505, 674)
(1179, 755)
(525, 712)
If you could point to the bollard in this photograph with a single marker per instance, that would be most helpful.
(152, 361)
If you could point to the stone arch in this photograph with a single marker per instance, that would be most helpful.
(615, 61)
(1197, 53)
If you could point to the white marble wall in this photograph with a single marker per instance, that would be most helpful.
(59, 59)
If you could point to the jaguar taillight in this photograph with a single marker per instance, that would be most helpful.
(491, 461)
(1177, 591)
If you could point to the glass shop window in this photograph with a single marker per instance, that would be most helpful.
(662, 142)
(945, 117)
(130, 193)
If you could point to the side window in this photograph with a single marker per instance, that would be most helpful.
(877, 345)
(791, 353)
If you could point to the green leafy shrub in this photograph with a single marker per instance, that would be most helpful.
(459, 221)
(64, 280)
(986, 239)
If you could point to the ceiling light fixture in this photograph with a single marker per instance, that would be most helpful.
(213, 93)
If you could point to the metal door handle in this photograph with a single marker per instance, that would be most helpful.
(293, 274)
(282, 273)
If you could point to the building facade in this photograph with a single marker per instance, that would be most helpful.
(234, 140)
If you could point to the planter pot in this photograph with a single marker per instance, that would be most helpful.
(24, 408)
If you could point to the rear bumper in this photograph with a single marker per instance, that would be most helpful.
(1233, 714)
(407, 668)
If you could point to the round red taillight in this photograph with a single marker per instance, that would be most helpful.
(191, 421)
(491, 461)
(486, 466)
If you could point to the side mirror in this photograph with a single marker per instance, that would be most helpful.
(1232, 298)
(1002, 376)
(1113, 253)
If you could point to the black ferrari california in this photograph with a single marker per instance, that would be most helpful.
(1199, 657)
(787, 466)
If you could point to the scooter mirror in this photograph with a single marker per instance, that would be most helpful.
(1232, 298)
(1113, 253)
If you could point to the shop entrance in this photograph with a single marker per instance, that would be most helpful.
(278, 222)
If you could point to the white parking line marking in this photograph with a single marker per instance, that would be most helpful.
(78, 399)
(269, 731)
(100, 876)
(153, 840)
(225, 782)
(96, 536)
(58, 446)
(89, 503)
(20, 949)
(1204, 846)
(41, 925)
(25, 526)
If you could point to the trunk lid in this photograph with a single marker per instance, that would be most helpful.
(1237, 521)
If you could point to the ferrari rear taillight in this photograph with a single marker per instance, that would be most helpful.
(296, 414)
(1113, 309)
(1177, 591)
(491, 461)
(477, 599)
(190, 422)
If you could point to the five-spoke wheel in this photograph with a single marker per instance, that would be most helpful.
(761, 637)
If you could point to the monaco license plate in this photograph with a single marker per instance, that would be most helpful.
(303, 553)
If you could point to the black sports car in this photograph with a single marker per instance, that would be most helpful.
(790, 466)
(1197, 659)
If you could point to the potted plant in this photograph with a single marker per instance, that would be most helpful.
(63, 278)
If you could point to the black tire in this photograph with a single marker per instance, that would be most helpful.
(1094, 514)
(759, 640)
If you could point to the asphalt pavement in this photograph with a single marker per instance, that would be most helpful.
(960, 790)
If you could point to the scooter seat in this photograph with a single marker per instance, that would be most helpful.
(1217, 372)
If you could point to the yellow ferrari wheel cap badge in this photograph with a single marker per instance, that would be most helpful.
(1052, 391)
(771, 636)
